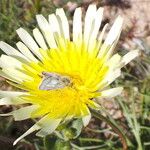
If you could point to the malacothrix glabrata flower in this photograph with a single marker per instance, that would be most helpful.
(61, 76)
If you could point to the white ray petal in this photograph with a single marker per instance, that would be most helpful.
(110, 77)
(50, 127)
(77, 25)
(10, 50)
(39, 38)
(9, 77)
(12, 101)
(54, 24)
(100, 39)
(46, 30)
(8, 62)
(107, 50)
(113, 62)
(110, 50)
(16, 74)
(63, 22)
(94, 32)
(25, 51)
(128, 57)
(101, 35)
(29, 41)
(89, 18)
(86, 119)
(11, 94)
(22, 113)
(114, 31)
(111, 92)
(32, 129)
(40, 124)
(98, 20)
(111, 38)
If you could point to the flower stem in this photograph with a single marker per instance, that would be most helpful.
(98, 115)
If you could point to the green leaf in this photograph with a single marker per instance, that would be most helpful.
(77, 127)
(71, 130)
(62, 145)
(52, 143)
(49, 142)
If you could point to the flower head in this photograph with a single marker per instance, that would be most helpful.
(61, 76)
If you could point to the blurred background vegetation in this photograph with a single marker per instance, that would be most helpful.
(131, 110)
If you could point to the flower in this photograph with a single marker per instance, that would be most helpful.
(60, 76)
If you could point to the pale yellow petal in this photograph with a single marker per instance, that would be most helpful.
(88, 23)
(46, 30)
(32, 129)
(97, 24)
(20, 76)
(9, 62)
(63, 22)
(9, 77)
(114, 31)
(22, 113)
(11, 94)
(101, 35)
(10, 50)
(29, 41)
(12, 101)
(54, 24)
(25, 51)
(110, 93)
(39, 38)
(129, 57)
(49, 128)
(77, 25)
(86, 119)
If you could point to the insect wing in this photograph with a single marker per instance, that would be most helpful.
(49, 83)
(52, 81)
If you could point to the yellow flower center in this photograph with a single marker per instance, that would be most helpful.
(85, 71)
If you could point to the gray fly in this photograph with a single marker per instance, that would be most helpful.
(53, 81)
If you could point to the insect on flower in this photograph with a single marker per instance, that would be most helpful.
(52, 81)
(61, 77)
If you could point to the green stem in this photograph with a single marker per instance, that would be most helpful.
(136, 125)
(90, 139)
(37, 6)
(113, 126)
